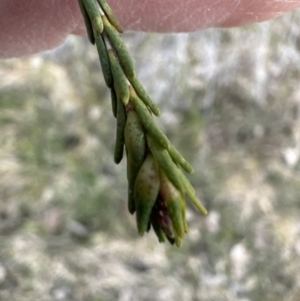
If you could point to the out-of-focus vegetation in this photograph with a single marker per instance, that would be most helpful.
(230, 103)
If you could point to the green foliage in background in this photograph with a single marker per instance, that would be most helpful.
(233, 111)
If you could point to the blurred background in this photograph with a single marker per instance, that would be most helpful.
(231, 104)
